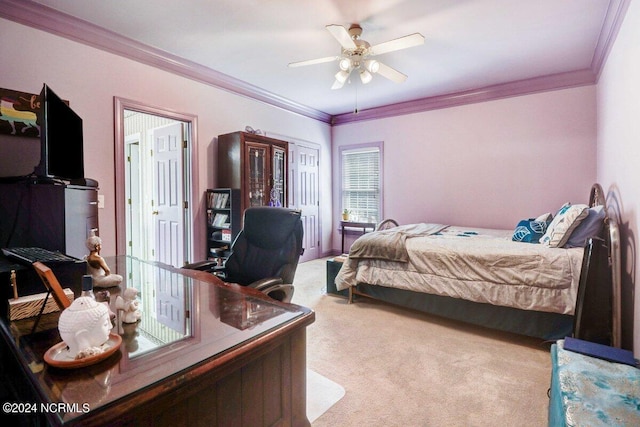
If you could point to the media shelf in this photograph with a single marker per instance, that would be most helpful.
(49, 215)
(224, 219)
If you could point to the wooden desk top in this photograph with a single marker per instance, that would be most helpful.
(191, 323)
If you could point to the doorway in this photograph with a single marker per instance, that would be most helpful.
(305, 196)
(155, 194)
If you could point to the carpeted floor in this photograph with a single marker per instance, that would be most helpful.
(403, 368)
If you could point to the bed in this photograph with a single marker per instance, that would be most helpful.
(502, 279)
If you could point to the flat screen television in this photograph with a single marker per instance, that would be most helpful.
(61, 155)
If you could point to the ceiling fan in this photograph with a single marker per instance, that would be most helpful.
(357, 55)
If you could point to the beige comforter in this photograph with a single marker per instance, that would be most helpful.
(390, 244)
(480, 265)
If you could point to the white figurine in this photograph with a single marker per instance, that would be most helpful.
(84, 326)
(128, 306)
(97, 266)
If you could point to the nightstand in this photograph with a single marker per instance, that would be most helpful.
(364, 226)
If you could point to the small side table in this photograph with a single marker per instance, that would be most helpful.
(355, 224)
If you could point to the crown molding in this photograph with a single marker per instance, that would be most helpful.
(488, 93)
(610, 27)
(44, 18)
(52, 21)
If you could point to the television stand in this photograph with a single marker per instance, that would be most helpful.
(84, 182)
(52, 215)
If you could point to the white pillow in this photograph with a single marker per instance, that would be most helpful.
(566, 220)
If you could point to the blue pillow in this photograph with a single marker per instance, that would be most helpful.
(530, 230)
(589, 227)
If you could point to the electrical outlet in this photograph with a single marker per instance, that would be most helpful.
(100, 201)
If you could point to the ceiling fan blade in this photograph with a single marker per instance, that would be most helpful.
(313, 61)
(415, 39)
(391, 73)
(342, 35)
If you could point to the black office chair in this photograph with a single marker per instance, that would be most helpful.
(265, 253)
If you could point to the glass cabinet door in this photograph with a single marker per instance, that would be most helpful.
(279, 171)
(257, 174)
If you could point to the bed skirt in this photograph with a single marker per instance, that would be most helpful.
(538, 324)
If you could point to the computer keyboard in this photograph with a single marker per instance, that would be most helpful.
(30, 255)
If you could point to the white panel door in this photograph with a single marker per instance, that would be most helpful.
(306, 198)
(168, 200)
(171, 308)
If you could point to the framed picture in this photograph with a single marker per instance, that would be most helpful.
(19, 113)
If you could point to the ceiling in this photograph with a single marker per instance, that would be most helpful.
(469, 44)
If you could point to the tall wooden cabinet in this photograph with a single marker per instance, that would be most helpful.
(255, 164)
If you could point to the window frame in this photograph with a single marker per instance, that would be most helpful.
(367, 146)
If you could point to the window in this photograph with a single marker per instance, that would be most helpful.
(361, 167)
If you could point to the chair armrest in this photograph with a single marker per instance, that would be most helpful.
(266, 282)
(201, 265)
(274, 288)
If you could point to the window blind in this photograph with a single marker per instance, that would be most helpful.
(361, 183)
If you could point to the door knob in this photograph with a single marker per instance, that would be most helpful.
(155, 213)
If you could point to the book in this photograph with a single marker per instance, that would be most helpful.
(218, 200)
(600, 351)
(219, 219)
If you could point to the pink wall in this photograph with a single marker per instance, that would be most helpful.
(619, 158)
(485, 165)
(90, 78)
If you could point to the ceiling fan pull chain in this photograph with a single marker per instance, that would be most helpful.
(356, 109)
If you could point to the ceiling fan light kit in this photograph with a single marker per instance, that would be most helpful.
(365, 76)
(341, 76)
(345, 64)
(356, 55)
(372, 65)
